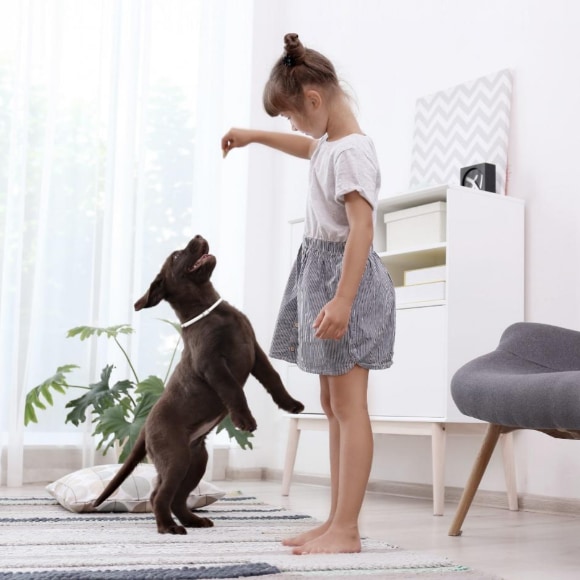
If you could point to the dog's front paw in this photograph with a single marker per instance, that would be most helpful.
(292, 406)
(244, 422)
(297, 407)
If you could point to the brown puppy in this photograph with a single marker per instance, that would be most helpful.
(220, 351)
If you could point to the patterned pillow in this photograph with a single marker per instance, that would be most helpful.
(76, 491)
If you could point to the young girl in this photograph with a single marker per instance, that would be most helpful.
(337, 317)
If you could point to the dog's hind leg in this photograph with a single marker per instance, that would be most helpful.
(171, 457)
(270, 379)
(161, 499)
(192, 478)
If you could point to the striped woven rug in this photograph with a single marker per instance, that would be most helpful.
(40, 540)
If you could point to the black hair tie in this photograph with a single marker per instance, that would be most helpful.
(289, 61)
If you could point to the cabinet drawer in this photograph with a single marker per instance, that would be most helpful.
(415, 385)
(305, 387)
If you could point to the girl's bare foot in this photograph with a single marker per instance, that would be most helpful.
(306, 537)
(332, 541)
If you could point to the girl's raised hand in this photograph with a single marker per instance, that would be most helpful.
(235, 138)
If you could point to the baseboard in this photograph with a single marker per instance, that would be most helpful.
(246, 474)
(46, 464)
(495, 499)
(553, 505)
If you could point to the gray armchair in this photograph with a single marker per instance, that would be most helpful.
(531, 381)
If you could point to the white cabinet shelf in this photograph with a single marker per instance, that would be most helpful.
(484, 258)
(415, 257)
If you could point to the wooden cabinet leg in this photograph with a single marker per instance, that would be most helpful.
(487, 447)
(291, 449)
(438, 441)
(507, 449)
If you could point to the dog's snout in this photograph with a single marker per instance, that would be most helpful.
(199, 241)
(198, 244)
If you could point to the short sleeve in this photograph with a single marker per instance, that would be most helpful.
(356, 170)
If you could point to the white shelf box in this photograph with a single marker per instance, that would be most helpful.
(415, 226)
(425, 275)
(418, 293)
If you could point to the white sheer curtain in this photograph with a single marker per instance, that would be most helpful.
(110, 117)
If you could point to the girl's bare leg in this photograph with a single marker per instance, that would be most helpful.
(334, 449)
(348, 401)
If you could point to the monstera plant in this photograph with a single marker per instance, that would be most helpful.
(117, 411)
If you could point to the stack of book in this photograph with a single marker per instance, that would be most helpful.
(422, 285)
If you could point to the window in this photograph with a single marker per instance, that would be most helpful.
(100, 175)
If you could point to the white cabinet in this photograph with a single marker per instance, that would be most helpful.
(483, 253)
(484, 258)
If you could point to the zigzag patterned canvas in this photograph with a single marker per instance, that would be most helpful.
(461, 126)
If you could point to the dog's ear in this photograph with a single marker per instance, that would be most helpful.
(153, 296)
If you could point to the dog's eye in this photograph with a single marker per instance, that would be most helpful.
(175, 256)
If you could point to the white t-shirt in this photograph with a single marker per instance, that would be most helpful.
(337, 168)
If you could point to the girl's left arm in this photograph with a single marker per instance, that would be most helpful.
(332, 321)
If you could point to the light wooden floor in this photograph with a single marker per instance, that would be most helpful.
(513, 545)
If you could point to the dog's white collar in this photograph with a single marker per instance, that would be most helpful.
(202, 315)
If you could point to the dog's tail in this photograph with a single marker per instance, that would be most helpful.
(137, 454)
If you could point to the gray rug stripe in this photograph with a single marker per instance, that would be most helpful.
(234, 571)
(142, 519)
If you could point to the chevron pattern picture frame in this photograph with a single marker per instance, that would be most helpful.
(460, 126)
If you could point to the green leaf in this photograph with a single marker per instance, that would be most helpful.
(46, 394)
(100, 396)
(57, 383)
(30, 415)
(113, 425)
(37, 402)
(242, 437)
(148, 392)
(151, 385)
(84, 332)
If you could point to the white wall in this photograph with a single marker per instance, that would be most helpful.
(391, 53)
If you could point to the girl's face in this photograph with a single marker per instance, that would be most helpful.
(302, 123)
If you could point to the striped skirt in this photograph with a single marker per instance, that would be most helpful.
(313, 280)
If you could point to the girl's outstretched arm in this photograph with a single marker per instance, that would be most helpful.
(297, 145)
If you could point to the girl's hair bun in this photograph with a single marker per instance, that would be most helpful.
(294, 50)
(296, 69)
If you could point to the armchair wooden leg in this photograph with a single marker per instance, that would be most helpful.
(509, 467)
(487, 447)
